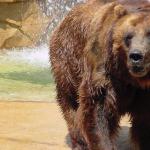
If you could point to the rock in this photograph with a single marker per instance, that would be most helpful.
(22, 23)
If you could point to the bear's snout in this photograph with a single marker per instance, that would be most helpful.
(136, 57)
(136, 63)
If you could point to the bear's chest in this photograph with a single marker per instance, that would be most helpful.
(141, 102)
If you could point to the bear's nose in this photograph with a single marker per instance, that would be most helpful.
(136, 56)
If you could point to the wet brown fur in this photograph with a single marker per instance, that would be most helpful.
(94, 87)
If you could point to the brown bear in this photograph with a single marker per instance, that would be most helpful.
(100, 57)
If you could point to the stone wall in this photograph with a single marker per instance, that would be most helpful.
(22, 23)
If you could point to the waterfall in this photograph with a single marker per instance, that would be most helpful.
(38, 55)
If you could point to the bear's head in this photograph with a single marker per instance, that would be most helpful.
(131, 42)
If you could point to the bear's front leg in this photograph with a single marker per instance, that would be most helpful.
(96, 118)
(140, 132)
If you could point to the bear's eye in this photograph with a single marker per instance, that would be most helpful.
(128, 37)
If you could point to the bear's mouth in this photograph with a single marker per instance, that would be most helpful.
(137, 71)
(140, 71)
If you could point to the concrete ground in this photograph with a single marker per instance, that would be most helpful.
(39, 126)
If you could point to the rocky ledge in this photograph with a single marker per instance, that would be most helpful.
(22, 23)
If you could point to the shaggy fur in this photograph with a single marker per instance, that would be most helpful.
(94, 86)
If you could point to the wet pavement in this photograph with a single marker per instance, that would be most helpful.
(38, 126)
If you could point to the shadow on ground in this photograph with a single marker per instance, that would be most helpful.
(122, 141)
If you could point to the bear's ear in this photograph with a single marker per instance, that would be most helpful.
(119, 11)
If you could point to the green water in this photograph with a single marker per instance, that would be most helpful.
(21, 81)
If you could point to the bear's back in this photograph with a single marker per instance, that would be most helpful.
(68, 42)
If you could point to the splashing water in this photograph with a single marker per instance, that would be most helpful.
(37, 56)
